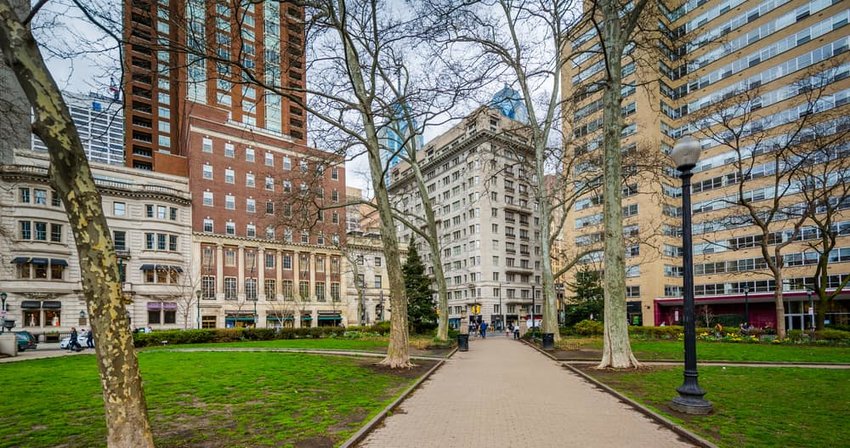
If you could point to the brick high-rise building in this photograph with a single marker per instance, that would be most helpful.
(243, 149)
(719, 50)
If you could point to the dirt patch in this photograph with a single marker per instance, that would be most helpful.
(575, 355)
(421, 367)
(315, 442)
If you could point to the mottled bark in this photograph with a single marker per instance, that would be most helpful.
(616, 348)
(398, 351)
(126, 414)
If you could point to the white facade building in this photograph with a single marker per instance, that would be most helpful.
(149, 215)
(480, 179)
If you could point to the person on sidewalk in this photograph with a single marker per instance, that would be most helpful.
(73, 343)
(516, 331)
(484, 330)
(90, 339)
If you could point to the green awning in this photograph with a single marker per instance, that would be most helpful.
(306, 317)
(239, 319)
(329, 317)
(277, 319)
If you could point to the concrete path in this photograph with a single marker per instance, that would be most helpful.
(45, 350)
(504, 394)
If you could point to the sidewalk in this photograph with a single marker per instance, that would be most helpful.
(44, 350)
(502, 393)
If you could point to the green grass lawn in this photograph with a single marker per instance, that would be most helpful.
(202, 399)
(365, 344)
(754, 407)
(722, 351)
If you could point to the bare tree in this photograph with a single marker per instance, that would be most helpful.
(70, 174)
(770, 153)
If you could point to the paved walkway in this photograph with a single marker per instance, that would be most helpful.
(504, 394)
(44, 350)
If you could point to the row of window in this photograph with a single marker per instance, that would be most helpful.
(207, 146)
(40, 231)
(270, 289)
(230, 259)
(38, 196)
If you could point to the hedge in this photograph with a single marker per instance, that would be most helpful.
(205, 336)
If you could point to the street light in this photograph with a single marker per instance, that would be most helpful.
(747, 304)
(2, 311)
(685, 155)
(198, 295)
(811, 307)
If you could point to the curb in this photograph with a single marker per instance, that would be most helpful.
(307, 351)
(717, 362)
(658, 418)
(376, 420)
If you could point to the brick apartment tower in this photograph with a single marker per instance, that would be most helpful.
(715, 48)
(243, 149)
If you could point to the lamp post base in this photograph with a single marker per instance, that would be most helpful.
(693, 405)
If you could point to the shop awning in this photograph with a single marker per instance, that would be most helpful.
(306, 317)
(51, 304)
(329, 317)
(156, 306)
(160, 267)
(39, 261)
(58, 262)
(239, 318)
(30, 304)
(20, 260)
(273, 318)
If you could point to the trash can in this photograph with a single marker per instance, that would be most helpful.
(548, 341)
(463, 342)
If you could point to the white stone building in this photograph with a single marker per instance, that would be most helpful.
(479, 176)
(149, 215)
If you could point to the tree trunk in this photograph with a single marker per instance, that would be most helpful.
(616, 348)
(550, 306)
(779, 305)
(820, 313)
(126, 413)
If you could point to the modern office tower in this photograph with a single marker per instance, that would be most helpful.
(479, 176)
(718, 53)
(100, 124)
(393, 136)
(244, 151)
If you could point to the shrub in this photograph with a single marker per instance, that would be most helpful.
(667, 332)
(832, 335)
(205, 336)
(589, 328)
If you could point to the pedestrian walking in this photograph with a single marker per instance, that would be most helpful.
(516, 331)
(484, 330)
(73, 343)
(90, 339)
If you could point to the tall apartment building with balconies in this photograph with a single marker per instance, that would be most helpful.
(715, 52)
(479, 177)
(243, 148)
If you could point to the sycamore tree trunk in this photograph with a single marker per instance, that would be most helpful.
(778, 298)
(616, 349)
(126, 414)
(550, 305)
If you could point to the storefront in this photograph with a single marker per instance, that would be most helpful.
(330, 319)
(239, 319)
(306, 320)
(279, 320)
(41, 315)
(162, 313)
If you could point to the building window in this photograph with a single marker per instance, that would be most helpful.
(334, 173)
(269, 233)
(119, 209)
(305, 237)
(56, 233)
(378, 282)
(26, 230)
(229, 288)
(230, 228)
(229, 257)
(55, 200)
(207, 145)
(24, 195)
(229, 176)
(287, 262)
(251, 205)
(270, 290)
(208, 287)
(320, 291)
(40, 231)
(250, 289)
(335, 292)
(250, 181)
(119, 238)
(208, 321)
(208, 225)
(287, 163)
(208, 172)
(269, 159)
(304, 290)
(251, 230)
(287, 289)
(230, 202)
(40, 196)
(249, 154)
(269, 183)
(377, 261)
(208, 199)
(270, 207)
(229, 150)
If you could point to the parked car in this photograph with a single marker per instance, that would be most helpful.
(81, 338)
(26, 341)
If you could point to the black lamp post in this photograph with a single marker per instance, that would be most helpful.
(198, 294)
(747, 304)
(2, 311)
(811, 308)
(685, 155)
